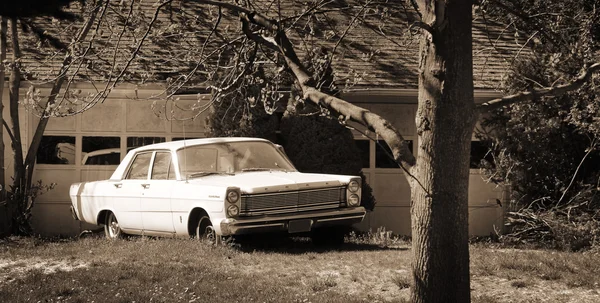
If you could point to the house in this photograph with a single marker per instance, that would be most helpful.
(379, 56)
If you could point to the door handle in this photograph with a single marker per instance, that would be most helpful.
(118, 185)
(145, 185)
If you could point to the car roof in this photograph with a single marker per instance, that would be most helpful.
(175, 145)
(103, 152)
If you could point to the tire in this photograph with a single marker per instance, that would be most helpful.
(205, 231)
(330, 237)
(112, 230)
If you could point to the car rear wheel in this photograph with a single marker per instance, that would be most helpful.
(112, 230)
(205, 231)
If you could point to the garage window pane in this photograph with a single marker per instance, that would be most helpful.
(133, 142)
(365, 152)
(56, 150)
(481, 155)
(383, 158)
(181, 138)
(101, 151)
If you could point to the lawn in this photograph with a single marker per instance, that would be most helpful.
(169, 270)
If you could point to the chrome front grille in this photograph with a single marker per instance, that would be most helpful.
(293, 201)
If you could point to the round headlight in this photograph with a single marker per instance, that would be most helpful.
(233, 196)
(353, 186)
(353, 200)
(233, 210)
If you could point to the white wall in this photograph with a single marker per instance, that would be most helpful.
(124, 115)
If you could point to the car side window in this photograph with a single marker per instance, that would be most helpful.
(163, 167)
(139, 166)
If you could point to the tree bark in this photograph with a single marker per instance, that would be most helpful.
(4, 210)
(14, 85)
(3, 49)
(445, 120)
(14, 201)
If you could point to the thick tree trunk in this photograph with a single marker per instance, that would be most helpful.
(445, 120)
(4, 214)
(3, 49)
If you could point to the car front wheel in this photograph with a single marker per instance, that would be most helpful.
(205, 231)
(112, 230)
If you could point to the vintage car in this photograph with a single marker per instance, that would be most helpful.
(215, 187)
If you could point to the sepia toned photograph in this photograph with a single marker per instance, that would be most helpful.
(306, 151)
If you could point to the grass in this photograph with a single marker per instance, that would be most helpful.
(283, 270)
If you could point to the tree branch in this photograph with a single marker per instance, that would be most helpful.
(387, 131)
(10, 134)
(546, 91)
(270, 43)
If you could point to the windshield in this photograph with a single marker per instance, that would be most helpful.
(231, 157)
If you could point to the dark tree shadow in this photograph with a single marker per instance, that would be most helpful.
(282, 243)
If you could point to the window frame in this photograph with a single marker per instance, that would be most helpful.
(130, 166)
(376, 146)
(171, 166)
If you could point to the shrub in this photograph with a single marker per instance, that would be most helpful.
(319, 144)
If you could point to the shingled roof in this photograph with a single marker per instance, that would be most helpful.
(379, 50)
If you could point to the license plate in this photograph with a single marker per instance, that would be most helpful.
(299, 226)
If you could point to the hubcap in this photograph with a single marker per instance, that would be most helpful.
(113, 227)
(209, 234)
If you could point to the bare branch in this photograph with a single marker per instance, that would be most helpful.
(547, 91)
(3, 48)
(591, 149)
(270, 43)
(388, 132)
(422, 25)
(339, 41)
(10, 134)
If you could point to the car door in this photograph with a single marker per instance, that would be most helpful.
(128, 193)
(156, 197)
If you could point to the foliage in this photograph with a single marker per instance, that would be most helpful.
(319, 144)
(314, 140)
(547, 149)
(22, 211)
(381, 237)
(243, 113)
(61, 45)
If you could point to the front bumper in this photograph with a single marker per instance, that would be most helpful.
(308, 221)
(74, 213)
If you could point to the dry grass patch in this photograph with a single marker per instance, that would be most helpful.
(403, 281)
(169, 270)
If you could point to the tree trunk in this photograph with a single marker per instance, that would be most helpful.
(445, 120)
(3, 42)
(15, 204)
(4, 215)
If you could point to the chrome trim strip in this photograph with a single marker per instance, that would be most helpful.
(352, 211)
(336, 219)
(280, 223)
(294, 191)
(269, 209)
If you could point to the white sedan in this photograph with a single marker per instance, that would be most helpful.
(208, 188)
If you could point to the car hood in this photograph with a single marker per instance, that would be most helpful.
(272, 181)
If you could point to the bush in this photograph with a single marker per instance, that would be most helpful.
(547, 149)
(234, 117)
(548, 152)
(318, 144)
